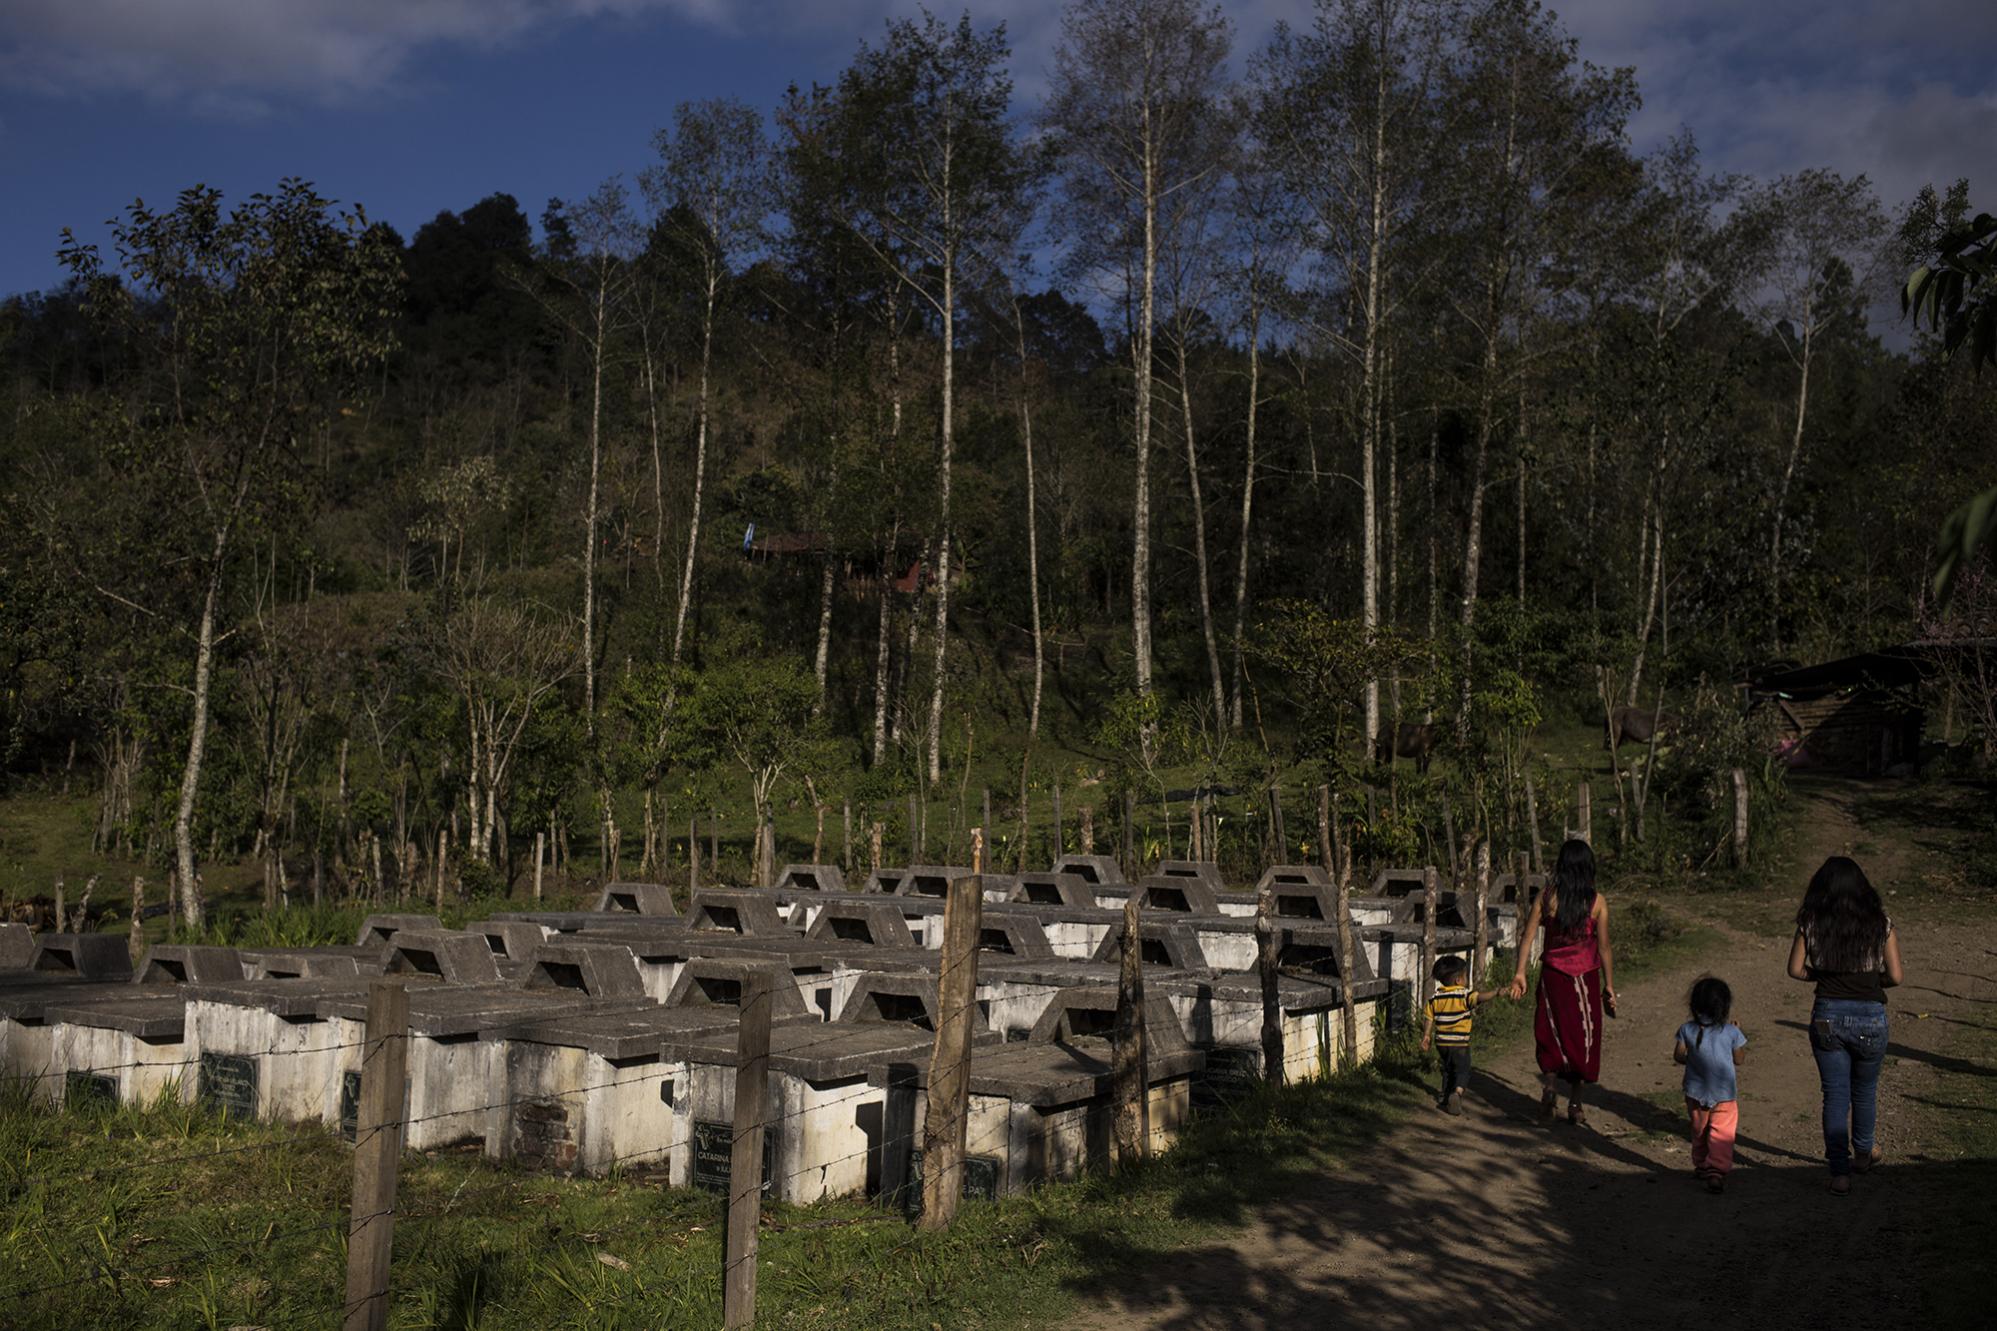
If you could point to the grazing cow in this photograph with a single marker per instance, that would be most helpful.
(1414, 740)
(1635, 725)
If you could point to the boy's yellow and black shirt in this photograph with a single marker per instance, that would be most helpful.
(1451, 1008)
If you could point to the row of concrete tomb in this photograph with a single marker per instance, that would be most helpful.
(581, 1041)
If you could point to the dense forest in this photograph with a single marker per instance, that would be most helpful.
(1224, 409)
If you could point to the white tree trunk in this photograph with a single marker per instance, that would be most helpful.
(1140, 543)
(943, 501)
(699, 464)
(1200, 536)
(1788, 476)
(597, 351)
(824, 632)
(197, 738)
(1247, 500)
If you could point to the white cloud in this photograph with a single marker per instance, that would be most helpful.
(1897, 89)
(241, 53)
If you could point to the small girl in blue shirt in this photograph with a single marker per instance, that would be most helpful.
(1711, 1047)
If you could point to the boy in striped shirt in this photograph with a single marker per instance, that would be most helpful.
(1447, 1027)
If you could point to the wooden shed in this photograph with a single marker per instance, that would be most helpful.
(1860, 716)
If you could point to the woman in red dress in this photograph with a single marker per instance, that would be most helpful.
(1576, 979)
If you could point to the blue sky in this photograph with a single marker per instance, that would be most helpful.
(411, 106)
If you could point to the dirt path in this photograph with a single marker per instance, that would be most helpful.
(1496, 1219)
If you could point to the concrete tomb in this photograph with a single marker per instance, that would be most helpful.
(637, 899)
(514, 940)
(1178, 895)
(1205, 870)
(884, 879)
(124, 1050)
(451, 1071)
(1012, 933)
(1098, 870)
(585, 1092)
(1167, 943)
(87, 956)
(282, 963)
(737, 911)
(451, 955)
(812, 878)
(870, 921)
(602, 971)
(263, 1049)
(17, 947)
(930, 880)
(1053, 889)
(376, 929)
(1293, 875)
(170, 963)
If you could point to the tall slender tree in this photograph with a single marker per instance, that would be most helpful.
(1135, 83)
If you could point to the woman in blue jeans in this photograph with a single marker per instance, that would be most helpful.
(1846, 945)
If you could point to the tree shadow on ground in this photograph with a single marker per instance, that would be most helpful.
(1619, 1241)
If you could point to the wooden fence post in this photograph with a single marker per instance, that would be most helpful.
(1060, 827)
(1740, 819)
(1088, 830)
(1481, 926)
(1532, 820)
(135, 946)
(1267, 955)
(693, 852)
(745, 1159)
(1431, 885)
(714, 846)
(846, 835)
(540, 845)
(1276, 822)
(914, 844)
(1130, 1119)
(1327, 849)
(949, 1105)
(1129, 836)
(377, 1156)
(1584, 817)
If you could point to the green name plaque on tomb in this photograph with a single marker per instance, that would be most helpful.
(350, 1104)
(714, 1150)
(1229, 1073)
(981, 1180)
(229, 1083)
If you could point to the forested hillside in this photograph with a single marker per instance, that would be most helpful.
(1217, 411)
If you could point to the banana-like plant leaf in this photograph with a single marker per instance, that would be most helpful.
(1967, 530)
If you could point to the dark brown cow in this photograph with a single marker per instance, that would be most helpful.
(1414, 739)
(1634, 725)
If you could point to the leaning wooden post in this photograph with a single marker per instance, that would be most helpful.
(1129, 835)
(135, 946)
(914, 845)
(1740, 819)
(1060, 827)
(1532, 820)
(1088, 832)
(1481, 926)
(745, 1159)
(1267, 956)
(1130, 1119)
(1327, 849)
(693, 852)
(540, 846)
(1584, 817)
(1431, 892)
(1348, 959)
(949, 1107)
(846, 835)
(377, 1154)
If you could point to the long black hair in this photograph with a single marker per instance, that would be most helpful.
(1711, 1003)
(1573, 885)
(1842, 919)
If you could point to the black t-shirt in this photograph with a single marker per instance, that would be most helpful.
(1866, 986)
